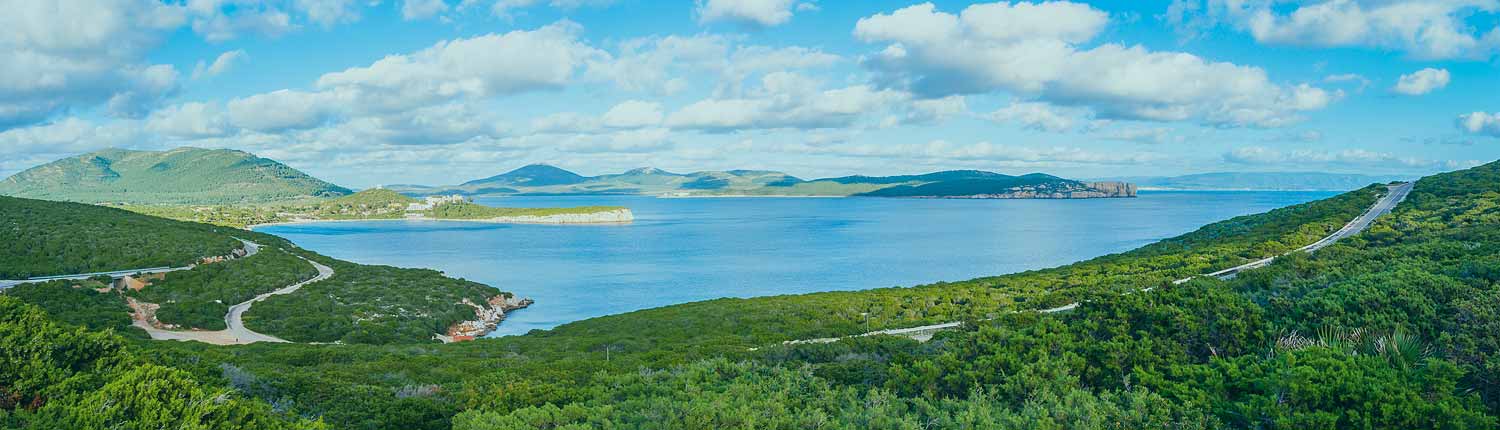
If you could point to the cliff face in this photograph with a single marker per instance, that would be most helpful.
(1114, 189)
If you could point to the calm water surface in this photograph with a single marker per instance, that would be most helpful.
(682, 250)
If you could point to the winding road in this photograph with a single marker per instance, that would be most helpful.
(1394, 195)
(236, 333)
(250, 249)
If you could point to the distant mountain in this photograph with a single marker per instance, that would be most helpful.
(548, 180)
(1271, 181)
(178, 176)
(535, 175)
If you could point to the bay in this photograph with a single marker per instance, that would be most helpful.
(689, 249)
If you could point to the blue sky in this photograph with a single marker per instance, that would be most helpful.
(367, 92)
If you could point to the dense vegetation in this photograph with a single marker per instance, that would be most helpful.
(58, 377)
(372, 387)
(200, 297)
(49, 238)
(360, 304)
(1398, 327)
(369, 304)
(179, 176)
(80, 303)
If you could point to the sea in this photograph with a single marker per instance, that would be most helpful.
(682, 250)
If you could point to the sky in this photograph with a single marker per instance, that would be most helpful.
(373, 92)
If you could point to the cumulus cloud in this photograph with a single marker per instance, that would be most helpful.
(221, 64)
(189, 121)
(633, 114)
(1035, 116)
(281, 110)
(761, 13)
(1146, 135)
(505, 8)
(1422, 82)
(482, 66)
(1349, 78)
(785, 100)
(659, 64)
(1423, 29)
(1480, 123)
(1031, 50)
(932, 111)
(61, 55)
(422, 9)
(949, 152)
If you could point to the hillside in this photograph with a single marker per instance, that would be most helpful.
(1264, 181)
(44, 238)
(1294, 345)
(1396, 327)
(374, 304)
(549, 180)
(179, 176)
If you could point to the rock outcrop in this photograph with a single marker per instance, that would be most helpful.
(616, 216)
(486, 318)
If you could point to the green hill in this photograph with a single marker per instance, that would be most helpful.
(178, 176)
(548, 180)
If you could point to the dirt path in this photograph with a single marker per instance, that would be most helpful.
(236, 333)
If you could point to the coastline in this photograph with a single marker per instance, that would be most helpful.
(622, 216)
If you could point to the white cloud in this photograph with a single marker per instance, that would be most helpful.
(785, 100)
(633, 114)
(221, 64)
(504, 8)
(762, 13)
(1422, 82)
(482, 66)
(422, 9)
(1033, 115)
(1356, 78)
(189, 121)
(1423, 29)
(73, 54)
(1146, 135)
(1480, 123)
(668, 65)
(281, 110)
(948, 153)
(932, 111)
(1260, 155)
(328, 12)
(1030, 50)
(221, 20)
(68, 137)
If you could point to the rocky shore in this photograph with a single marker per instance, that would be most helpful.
(616, 216)
(486, 318)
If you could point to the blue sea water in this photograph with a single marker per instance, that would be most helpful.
(683, 250)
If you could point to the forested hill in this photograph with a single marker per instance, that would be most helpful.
(55, 238)
(179, 176)
(540, 179)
